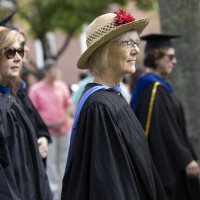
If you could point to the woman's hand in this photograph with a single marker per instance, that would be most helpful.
(192, 169)
(43, 146)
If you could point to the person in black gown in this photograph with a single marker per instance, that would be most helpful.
(42, 134)
(22, 173)
(109, 157)
(162, 116)
(41, 130)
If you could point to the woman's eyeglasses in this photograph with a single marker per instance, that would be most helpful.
(129, 43)
(11, 52)
(132, 43)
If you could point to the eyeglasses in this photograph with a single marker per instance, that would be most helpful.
(129, 43)
(11, 52)
(170, 56)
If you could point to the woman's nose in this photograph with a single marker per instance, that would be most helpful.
(17, 57)
(135, 49)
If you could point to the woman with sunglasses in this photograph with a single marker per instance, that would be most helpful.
(22, 174)
(162, 117)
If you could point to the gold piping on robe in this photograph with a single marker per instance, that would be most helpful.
(153, 93)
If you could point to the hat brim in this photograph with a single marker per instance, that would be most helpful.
(138, 26)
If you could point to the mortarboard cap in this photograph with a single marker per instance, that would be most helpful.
(158, 41)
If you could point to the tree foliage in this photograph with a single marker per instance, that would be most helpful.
(43, 16)
(146, 4)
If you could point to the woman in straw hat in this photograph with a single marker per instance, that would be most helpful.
(22, 173)
(109, 157)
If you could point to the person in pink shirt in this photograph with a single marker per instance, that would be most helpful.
(52, 99)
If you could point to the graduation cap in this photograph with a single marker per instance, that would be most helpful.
(158, 41)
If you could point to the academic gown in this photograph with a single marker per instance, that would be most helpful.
(169, 145)
(111, 157)
(22, 173)
(41, 129)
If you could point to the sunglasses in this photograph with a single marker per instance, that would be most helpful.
(170, 56)
(11, 52)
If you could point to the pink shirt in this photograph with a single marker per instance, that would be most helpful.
(51, 101)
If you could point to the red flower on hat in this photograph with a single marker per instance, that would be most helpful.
(122, 17)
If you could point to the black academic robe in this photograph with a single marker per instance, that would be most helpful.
(39, 125)
(168, 141)
(111, 156)
(41, 129)
(22, 173)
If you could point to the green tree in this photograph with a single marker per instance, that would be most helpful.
(43, 16)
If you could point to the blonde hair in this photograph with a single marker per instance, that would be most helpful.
(98, 61)
(7, 38)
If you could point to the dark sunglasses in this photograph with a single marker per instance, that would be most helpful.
(11, 52)
(170, 56)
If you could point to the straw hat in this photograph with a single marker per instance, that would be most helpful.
(106, 27)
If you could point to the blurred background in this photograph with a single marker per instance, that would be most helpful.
(55, 29)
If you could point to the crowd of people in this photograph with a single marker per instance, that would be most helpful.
(51, 98)
(104, 141)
